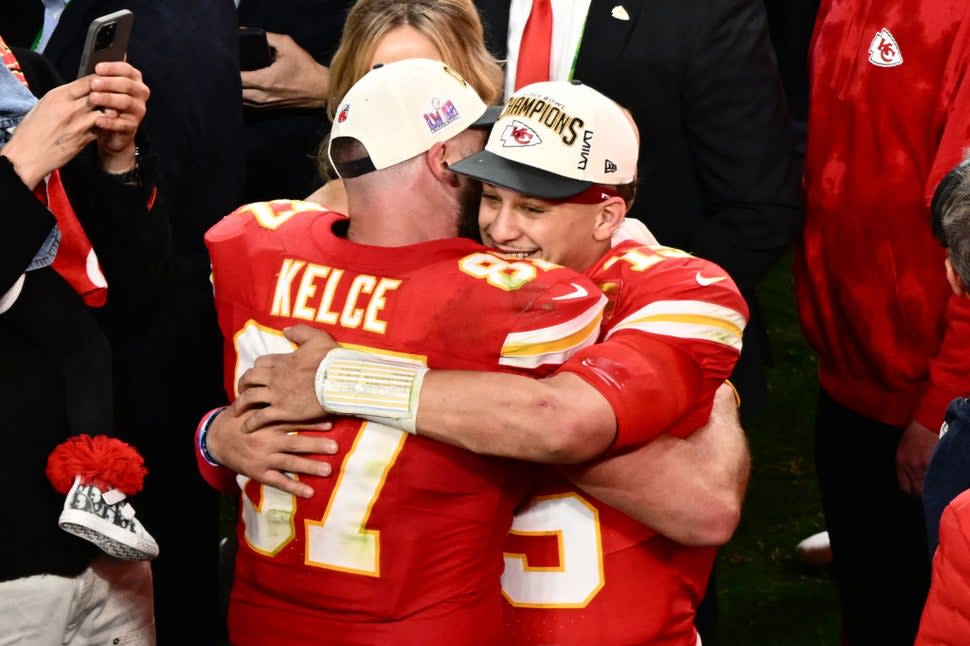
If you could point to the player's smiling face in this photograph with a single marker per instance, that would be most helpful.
(561, 232)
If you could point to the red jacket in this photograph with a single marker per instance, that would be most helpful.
(889, 116)
(946, 617)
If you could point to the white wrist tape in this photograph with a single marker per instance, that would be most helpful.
(376, 387)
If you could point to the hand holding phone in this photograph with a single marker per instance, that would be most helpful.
(254, 49)
(292, 80)
(107, 40)
(120, 94)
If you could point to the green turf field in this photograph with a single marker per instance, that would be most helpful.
(766, 597)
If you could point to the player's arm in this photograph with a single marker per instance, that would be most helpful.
(570, 417)
(688, 489)
(560, 419)
(555, 421)
(223, 449)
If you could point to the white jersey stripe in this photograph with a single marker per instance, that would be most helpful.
(687, 319)
(553, 344)
(689, 331)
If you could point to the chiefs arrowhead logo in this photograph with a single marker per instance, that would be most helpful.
(883, 50)
(518, 135)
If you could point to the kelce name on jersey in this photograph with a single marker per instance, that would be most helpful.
(351, 313)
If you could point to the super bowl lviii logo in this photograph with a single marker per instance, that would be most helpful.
(441, 115)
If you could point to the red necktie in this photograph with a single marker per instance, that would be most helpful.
(536, 43)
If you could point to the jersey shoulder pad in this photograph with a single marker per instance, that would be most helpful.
(675, 294)
(256, 217)
(551, 312)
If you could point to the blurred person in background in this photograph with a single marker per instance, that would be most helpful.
(188, 52)
(889, 116)
(946, 615)
(383, 31)
(80, 194)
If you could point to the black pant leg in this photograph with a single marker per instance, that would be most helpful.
(877, 532)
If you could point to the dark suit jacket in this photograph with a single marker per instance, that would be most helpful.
(718, 176)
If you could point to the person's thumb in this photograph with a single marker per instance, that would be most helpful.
(299, 334)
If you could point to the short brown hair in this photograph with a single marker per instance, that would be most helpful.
(628, 191)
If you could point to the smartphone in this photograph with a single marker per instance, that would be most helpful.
(107, 40)
(254, 50)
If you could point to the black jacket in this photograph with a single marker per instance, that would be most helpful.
(56, 367)
(718, 176)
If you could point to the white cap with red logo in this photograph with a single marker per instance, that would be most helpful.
(400, 110)
(555, 140)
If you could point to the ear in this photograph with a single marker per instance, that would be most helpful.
(436, 158)
(956, 284)
(609, 217)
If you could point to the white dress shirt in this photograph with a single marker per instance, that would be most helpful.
(568, 22)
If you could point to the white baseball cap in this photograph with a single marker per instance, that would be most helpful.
(556, 139)
(402, 109)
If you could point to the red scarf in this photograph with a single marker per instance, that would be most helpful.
(76, 261)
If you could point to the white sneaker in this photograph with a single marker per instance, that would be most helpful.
(815, 550)
(105, 519)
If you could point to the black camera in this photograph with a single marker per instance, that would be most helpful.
(105, 37)
(106, 40)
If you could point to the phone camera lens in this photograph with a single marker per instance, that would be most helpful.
(105, 37)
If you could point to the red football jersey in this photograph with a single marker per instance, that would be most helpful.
(578, 572)
(402, 545)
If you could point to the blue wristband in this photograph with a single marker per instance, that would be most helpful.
(204, 427)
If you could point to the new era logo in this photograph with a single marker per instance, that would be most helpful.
(518, 135)
(609, 167)
(883, 50)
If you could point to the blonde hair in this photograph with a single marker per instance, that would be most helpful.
(453, 26)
